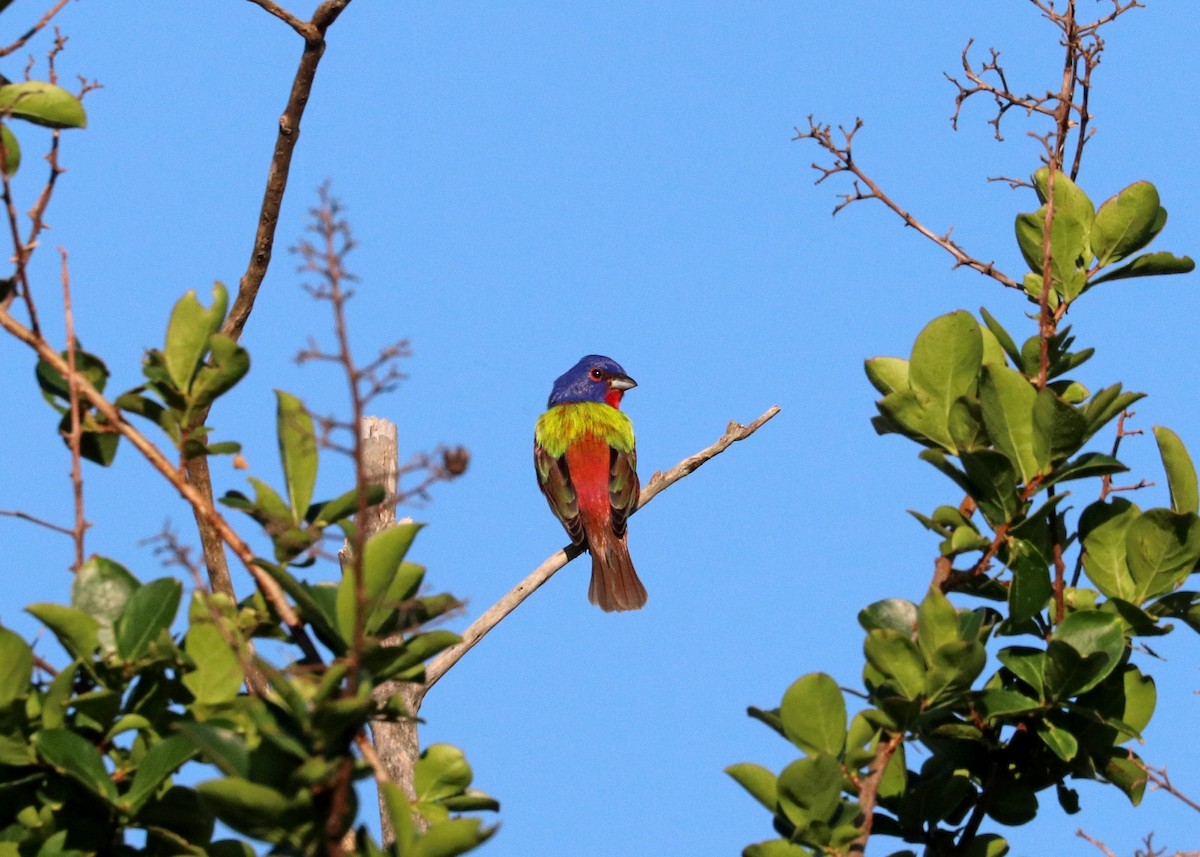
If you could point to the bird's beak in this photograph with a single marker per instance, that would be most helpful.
(622, 382)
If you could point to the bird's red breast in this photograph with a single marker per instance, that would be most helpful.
(589, 461)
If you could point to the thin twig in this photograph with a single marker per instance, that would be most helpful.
(75, 436)
(658, 482)
(843, 162)
(34, 30)
(25, 516)
(1159, 779)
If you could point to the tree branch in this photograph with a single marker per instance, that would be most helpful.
(843, 162)
(313, 32)
(658, 482)
(266, 584)
(868, 791)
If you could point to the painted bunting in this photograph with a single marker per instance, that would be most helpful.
(586, 460)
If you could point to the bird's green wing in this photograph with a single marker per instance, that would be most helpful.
(555, 482)
(623, 487)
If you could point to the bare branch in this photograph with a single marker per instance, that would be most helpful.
(658, 482)
(75, 435)
(285, 143)
(25, 516)
(844, 163)
(34, 30)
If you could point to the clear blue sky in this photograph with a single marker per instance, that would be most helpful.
(532, 182)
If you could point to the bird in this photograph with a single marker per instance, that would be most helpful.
(586, 461)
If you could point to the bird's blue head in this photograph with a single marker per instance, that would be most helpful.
(594, 378)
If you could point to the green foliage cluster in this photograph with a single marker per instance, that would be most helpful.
(1007, 424)
(38, 102)
(94, 749)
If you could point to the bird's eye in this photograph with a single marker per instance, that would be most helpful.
(597, 375)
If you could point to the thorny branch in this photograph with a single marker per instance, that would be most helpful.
(843, 162)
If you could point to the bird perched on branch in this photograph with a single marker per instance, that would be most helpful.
(586, 460)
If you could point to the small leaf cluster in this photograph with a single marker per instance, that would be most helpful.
(40, 103)
(1008, 424)
(197, 365)
(94, 750)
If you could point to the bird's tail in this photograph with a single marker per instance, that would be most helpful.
(615, 585)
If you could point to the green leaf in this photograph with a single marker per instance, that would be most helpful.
(897, 658)
(1030, 589)
(12, 151)
(1061, 742)
(219, 744)
(388, 662)
(16, 667)
(1124, 770)
(1002, 336)
(1072, 223)
(188, 332)
(887, 374)
(1086, 466)
(149, 611)
(1103, 529)
(1126, 223)
(342, 506)
(1000, 703)
(387, 579)
(992, 484)
(310, 604)
(1149, 265)
(160, 762)
(1083, 650)
(1012, 802)
(101, 589)
(1064, 427)
(814, 714)
(810, 790)
(758, 781)
(250, 808)
(1027, 664)
(1007, 400)
(1181, 473)
(452, 837)
(78, 758)
(1162, 548)
(79, 632)
(297, 450)
(43, 104)
(987, 845)
(218, 675)
(396, 804)
(894, 614)
(946, 358)
(441, 771)
(228, 364)
(1106, 404)
(937, 623)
